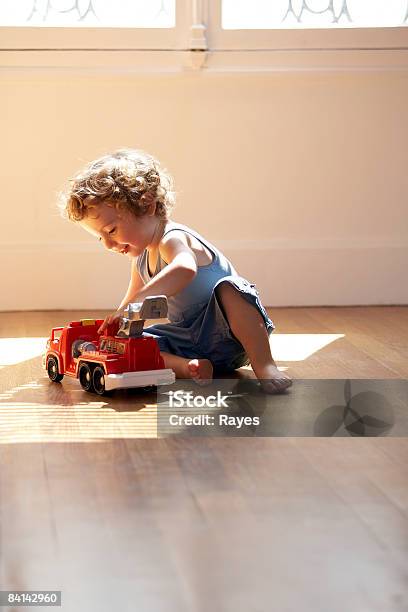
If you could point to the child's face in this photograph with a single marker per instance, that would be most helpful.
(119, 230)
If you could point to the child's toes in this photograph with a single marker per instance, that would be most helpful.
(193, 368)
(201, 371)
(206, 370)
(285, 382)
(269, 387)
(276, 385)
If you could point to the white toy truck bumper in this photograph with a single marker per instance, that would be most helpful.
(139, 379)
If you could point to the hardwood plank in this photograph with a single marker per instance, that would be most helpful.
(373, 337)
(29, 546)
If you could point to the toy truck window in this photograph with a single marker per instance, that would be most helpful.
(56, 334)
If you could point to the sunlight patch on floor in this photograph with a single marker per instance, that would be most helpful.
(298, 347)
(17, 350)
(24, 422)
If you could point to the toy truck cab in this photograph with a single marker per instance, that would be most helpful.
(124, 356)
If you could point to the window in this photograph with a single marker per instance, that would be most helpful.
(300, 14)
(56, 334)
(89, 13)
(310, 24)
(92, 24)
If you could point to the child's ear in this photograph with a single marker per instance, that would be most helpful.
(151, 211)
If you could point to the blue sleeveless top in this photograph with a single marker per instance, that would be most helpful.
(184, 306)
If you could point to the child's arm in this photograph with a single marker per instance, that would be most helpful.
(180, 271)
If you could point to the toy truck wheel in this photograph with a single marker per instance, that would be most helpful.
(98, 379)
(85, 377)
(53, 371)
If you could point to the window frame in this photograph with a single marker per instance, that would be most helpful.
(342, 38)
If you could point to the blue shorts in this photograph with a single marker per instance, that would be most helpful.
(206, 334)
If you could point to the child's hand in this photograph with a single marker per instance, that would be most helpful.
(114, 316)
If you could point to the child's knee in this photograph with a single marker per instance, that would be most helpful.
(229, 299)
(233, 304)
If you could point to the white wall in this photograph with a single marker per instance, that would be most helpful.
(300, 178)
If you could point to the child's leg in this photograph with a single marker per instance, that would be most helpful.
(248, 327)
(200, 370)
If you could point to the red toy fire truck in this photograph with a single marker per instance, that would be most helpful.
(123, 356)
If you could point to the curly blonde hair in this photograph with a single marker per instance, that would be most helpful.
(127, 178)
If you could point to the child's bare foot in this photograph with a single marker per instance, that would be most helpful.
(200, 370)
(273, 380)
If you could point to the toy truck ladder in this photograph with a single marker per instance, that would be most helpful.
(137, 313)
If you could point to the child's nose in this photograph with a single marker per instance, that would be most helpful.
(108, 242)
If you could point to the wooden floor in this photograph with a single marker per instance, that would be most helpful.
(93, 505)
